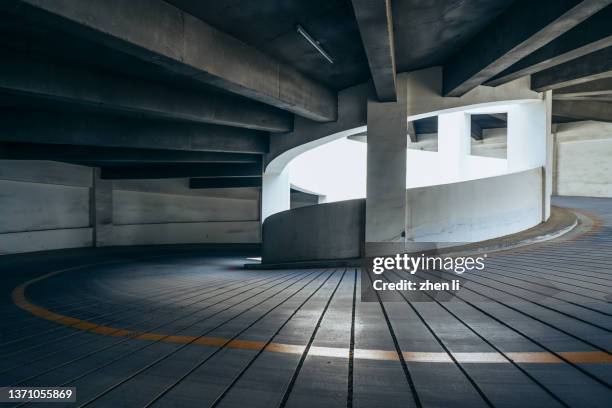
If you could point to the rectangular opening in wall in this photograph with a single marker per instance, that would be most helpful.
(302, 199)
(489, 135)
(423, 134)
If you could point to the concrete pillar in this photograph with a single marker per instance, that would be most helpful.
(275, 193)
(454, 142)
(530, 143)
(102, 211)
(527, 136)
(386, 178)
(550, 151)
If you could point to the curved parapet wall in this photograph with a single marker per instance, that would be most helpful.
(468, 211)
(316, 232)
(475, 210)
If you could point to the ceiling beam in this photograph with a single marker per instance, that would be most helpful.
(71, 153)
(592, 35)
(108, 131)
(224, 182)
(42, 79)
(523, 28)
(374, 19)
(475, 129)
(499, 116)
(585, 110)
(593, 88)
(412, 133)
(597, 65)
(161, 171)
(160, 33)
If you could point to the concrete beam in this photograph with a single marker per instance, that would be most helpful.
(42, 79)
(475, 129)
(412, 133)
(161, 171)
(160, 33)
(597, 65)
(592, 35)
(500, 116)
(594, 88)
(108, 131)
(523, 28)
(374, 19)
(84, 154)
(585, 110)
(224, 182)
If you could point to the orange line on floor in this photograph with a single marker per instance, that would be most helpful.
(578, 357)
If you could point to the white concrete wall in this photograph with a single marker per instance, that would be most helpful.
(475, 210)
(43, 206)
(167, 212)
(583, 159)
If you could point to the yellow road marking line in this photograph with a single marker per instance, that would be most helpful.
(578, 357)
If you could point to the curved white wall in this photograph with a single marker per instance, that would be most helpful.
(337, 169)
(475, 210)
(321, 160)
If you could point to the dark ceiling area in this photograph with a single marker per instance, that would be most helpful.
(31, 36)
(429, 32)
(270, 25)
(114, 74)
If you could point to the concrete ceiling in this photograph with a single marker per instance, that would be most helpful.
(426, 32)
(27, 35)
(270, 25)
(119, 69)
(429, 32)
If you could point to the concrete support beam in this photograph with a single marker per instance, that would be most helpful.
(160, 33)
(594, 88)
(224, 182)
(101, 130)
(386, 178)
(374, 19)
(523, 28)
(70, 153)
(597, 65)
(475, 130)
(500, 116)
(41, 79)
(592, 35)
(161, 171)
(585, 110)
(412, 133)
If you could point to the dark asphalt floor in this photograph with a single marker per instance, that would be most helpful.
(177, 327)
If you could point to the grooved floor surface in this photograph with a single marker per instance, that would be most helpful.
(177, 328)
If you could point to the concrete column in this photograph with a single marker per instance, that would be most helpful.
(527, 136)
(102, 211)
(454, 145)
(275, 193)
(550, 151)
(386, 178)
(530, 143)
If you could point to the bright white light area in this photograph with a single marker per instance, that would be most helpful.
(424, 168)
(336, 170)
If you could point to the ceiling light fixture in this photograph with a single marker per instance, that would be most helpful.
(314, 43)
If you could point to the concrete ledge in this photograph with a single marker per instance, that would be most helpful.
(561, 221)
